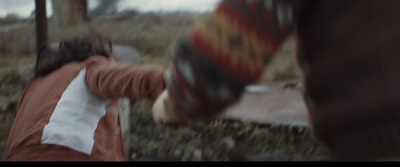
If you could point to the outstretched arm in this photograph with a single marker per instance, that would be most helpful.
(111, 80)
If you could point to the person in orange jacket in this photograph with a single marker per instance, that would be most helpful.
(70, 112)
(348, 51)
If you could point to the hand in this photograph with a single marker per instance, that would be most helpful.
(162, 113)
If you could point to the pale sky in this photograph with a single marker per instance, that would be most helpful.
(170, 5)
(24, 7)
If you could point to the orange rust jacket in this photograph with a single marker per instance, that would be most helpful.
(72, 113)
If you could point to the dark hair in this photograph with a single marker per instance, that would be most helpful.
(76, 49)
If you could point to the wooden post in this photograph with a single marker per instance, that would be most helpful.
(41, 24)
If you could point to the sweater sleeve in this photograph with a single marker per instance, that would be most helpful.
(110, 80)
(225, 51)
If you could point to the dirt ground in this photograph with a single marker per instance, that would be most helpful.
(151, 34)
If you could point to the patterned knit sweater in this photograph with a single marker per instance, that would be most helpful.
(348, 52)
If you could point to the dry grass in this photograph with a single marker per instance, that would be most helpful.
(149, 33)
(219, 140)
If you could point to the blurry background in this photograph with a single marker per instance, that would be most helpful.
(149, 26)
(24, 8)
(21, 13)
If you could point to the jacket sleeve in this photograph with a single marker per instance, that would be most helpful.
(110, 80)
(225, 51)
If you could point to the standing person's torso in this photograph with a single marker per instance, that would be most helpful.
(352, 65)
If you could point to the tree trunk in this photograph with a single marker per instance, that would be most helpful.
(69, 12)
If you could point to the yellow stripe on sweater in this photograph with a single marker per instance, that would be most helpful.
(251, 53)
(209, 34)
